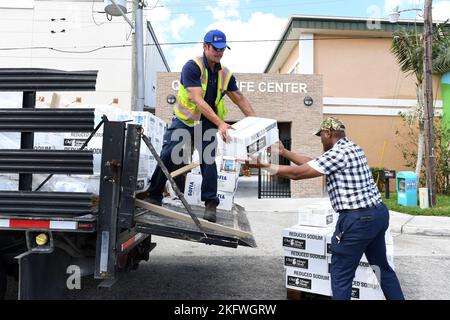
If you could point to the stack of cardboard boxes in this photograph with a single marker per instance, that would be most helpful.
(154, 128)
(227, 181)
(307, 256)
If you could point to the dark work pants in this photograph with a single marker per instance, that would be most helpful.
(363, 232)
(172, 152)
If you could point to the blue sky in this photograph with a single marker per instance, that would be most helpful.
(178, 21)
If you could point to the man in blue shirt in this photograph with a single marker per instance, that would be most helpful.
(204, 82)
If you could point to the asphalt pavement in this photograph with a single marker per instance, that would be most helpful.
(183, 270)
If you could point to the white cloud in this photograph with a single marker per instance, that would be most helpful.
(181, 55)
(162, 19)
(441, 11)
(225, 9)
(181, 23)
(245, 56)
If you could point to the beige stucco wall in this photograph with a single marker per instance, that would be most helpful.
(291, 60)
(371, 133)
(361, 68)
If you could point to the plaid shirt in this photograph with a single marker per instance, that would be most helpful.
(350, 183)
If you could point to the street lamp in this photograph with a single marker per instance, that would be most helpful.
(395, 14)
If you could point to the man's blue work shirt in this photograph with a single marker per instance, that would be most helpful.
(190, 77)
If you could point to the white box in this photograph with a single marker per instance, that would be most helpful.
(306, 261)
(226, 200)
(48, 141)
(9, 182)
(328, 244)
(193, 188)
(306, 239)
(227, 181)
(367, 289)
(308, 281)
(316, 216)
(251, 135)
(193, 193)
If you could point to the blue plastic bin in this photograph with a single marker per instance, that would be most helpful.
(406, 188)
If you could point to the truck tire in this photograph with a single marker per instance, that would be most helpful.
(2, 282)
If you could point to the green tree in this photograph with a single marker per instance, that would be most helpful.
(408, 49)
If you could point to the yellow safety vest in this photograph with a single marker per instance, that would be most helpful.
(187, 111)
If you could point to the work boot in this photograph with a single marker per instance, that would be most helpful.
(145, 196)
(210, 211)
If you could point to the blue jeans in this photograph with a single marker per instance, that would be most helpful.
(362, 231)
(203, 143)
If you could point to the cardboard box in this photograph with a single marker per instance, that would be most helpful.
(48, 141)
(192, 189)
(226, 200)
(306, 239)
(306, 261)
(367, 288)
(316, 216)
(251, 135)
(227, 181)
(308, 281)
(193, 193)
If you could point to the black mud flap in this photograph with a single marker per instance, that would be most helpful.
(43, 276)
(153, 223)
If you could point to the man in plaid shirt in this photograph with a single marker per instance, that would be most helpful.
(363, 218)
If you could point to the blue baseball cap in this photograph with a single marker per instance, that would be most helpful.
(217, 38)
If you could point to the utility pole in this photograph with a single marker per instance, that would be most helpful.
(430, 159)
(133, 102)
(137, 58)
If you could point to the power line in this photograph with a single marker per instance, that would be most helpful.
(183, 43)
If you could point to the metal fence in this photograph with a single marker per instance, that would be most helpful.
(272, 186)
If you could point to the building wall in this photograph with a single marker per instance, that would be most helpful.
(33, 27)
(282, 106)
(381, 138)
(365, 68)
(291, 60)
(361, 68)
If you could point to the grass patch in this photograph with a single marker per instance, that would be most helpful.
(442, 206)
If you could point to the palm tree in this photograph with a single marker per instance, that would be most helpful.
(407, 47)
(408, 50)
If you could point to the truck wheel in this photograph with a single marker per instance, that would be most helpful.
(2, 282)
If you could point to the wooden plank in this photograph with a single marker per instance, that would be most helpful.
(184, 169)
(186, 218)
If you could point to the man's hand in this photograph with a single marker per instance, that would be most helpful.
(255, 162)
(277, 148)
(223, 127)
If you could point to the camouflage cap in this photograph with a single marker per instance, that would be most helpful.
(330, 123)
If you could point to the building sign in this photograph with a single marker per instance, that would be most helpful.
(264, 86)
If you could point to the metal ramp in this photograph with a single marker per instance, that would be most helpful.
(234, 221)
